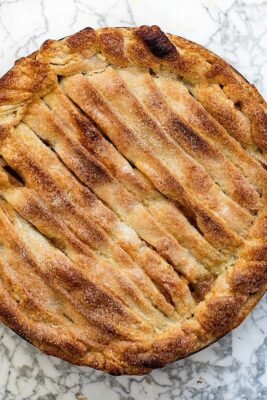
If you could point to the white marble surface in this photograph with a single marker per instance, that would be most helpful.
(236, 366)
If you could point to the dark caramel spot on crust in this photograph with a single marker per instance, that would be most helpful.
(157, 42)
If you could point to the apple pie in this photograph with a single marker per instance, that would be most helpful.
(133, 217)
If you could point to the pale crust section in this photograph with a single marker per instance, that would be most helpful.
(132, 197)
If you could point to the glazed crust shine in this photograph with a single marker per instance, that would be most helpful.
(133, 198)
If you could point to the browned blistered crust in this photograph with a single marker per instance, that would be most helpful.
(132, 198)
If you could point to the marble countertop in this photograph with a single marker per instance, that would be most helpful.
(236, 366)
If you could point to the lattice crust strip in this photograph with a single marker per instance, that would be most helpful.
(132, 198)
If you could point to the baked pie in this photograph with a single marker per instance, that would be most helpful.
(133, 183)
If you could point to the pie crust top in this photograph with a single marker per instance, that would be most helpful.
(132, 198)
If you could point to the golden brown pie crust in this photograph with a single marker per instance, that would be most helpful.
(133, 198)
